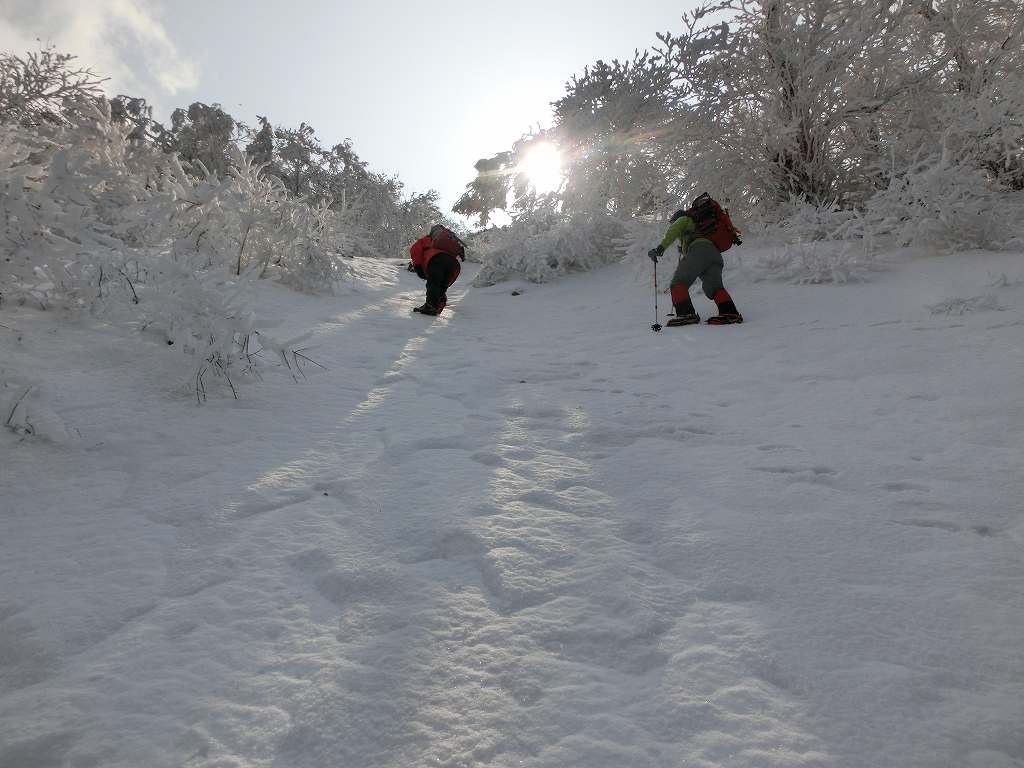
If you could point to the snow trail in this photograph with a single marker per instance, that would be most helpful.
(507, 571)
(531, 532)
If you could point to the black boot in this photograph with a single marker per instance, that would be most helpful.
(685, 313)
(727, 312)
(684, 308)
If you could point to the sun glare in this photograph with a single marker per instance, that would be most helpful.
(543, 166)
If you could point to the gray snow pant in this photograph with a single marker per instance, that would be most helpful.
(702, 260)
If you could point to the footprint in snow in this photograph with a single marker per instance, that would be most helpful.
(487, 458)
(271, 502)
(342, 586)
(941, 525)
(451, 545)
(904, 486)
(544, 500)
(793, 470)
(454, 442)
(310, 561)
(983, 530)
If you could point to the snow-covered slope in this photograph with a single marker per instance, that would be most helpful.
(530, 533)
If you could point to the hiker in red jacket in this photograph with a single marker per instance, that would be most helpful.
(434, 258)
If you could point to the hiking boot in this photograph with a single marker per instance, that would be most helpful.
(688, 319)
(726, 318)
(427, 309)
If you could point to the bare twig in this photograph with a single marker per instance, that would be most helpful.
(200, 386)
(224, 371)
(245, 237)
(250, 355)
(10, 416)
(297, 354)
(135, 296)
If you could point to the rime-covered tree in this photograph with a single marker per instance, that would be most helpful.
(490, 189)
(300, 160)
(770, 101)
(604, 127)
(204, 134)
(41, 86)
(261, 145)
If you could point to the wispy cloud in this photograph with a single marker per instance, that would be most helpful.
(120, 39)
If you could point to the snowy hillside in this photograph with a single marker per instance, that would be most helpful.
(528, 533)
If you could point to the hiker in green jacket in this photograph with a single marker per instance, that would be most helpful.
(703, 231)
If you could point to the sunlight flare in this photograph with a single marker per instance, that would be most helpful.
(543, 167)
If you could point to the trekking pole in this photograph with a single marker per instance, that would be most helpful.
(656, 326)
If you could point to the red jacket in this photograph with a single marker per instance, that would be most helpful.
(422, 251)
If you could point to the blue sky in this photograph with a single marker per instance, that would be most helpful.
(422, 89)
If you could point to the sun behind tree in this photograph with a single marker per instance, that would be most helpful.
(543, 166)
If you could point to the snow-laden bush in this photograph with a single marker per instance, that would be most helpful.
(94, 221)
(639, 236)
(816, 262)
(249, 221)
(946, 206)
(84, 194)
(815, 244)
(60, 187)
(961, 306)
(541, 251)
(800, 221)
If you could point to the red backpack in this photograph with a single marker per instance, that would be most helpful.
(445, 240)
(713, 222)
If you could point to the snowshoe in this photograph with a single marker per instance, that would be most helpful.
(684, 320)
(726, 318)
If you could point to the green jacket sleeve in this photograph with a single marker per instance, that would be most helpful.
(681, 229)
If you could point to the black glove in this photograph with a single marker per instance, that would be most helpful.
(655, 253)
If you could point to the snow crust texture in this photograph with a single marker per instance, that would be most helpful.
(531, 533)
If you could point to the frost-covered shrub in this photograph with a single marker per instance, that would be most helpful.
(815, 244)
(960, 306)
(541, 251)
(817, 261)
(248, 221)
(85, 192)
(639, 236)
(800, 221)
(946, 207)
(64, 188)
(94, 221)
